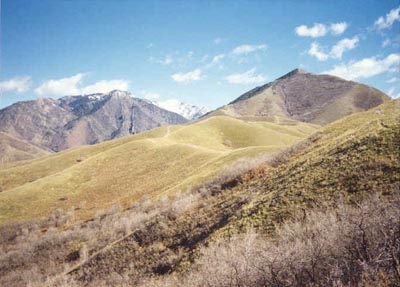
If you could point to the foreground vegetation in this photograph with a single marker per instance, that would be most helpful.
(357, 245)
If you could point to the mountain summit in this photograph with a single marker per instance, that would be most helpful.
(58, 124)
(188, 111)
(306, 97)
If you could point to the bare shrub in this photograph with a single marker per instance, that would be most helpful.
(244, 165)
(347, 246)
(283, 156)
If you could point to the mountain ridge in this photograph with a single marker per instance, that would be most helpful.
(188, 111)
(59, 124)
(304, 96)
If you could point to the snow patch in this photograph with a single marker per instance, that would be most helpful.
(189, 111)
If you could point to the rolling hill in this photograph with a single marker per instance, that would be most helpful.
(306, 97)
(165, 160)
(13, 149)
(346, 161)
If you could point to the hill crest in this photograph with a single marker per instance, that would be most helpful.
(306, 97)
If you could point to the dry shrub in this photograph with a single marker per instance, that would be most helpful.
(348, 246)
(244, 165)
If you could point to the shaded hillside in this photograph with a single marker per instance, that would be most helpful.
(13, 149)
(303, 96)
(58, 124)
(160, 161)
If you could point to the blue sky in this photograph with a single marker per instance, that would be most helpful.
(201, 52)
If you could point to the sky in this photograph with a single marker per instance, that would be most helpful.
(205, 53)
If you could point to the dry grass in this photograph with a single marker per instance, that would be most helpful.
(122, 247)
(13, 149)
(158, 162)
(347, 246)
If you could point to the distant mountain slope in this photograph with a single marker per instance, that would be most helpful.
(188, 111)
(13, 149)
(58, 124)
(303, 96)
(165, 160)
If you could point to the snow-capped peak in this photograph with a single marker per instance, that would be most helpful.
(186, 110)
(94, 97)
(119, 93)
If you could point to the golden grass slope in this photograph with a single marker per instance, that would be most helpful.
(348, 160)
(168, 159)
(13, 149)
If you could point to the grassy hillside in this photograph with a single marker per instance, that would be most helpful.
(162, 161)
(346, 161)
(13, 149)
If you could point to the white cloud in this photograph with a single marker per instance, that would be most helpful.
(247, 49)
(386, 43)
(336, 51)
(72, 86)
(393, 80)
(105, 87)
(245, 78)
(338, 28)
(366, 68)
(17, 84)
(342, 46)
(316, 52)
(387, 22)
(194, 75)
(391, 90)
(318, 30)
(60, 87)
(204, 59)
(149, 95)
(216, 59)
(167, 60)
(218, 40)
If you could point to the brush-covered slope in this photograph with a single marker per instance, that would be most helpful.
(306, 97)
(156, 162)
(348, 160)
(13, 149)
(59, 124)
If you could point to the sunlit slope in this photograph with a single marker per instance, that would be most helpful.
(347, 159)
(13, 149)
(161, 161)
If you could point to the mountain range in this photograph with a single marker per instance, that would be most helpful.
(188, 111)
(59, 124)
(52, 125)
